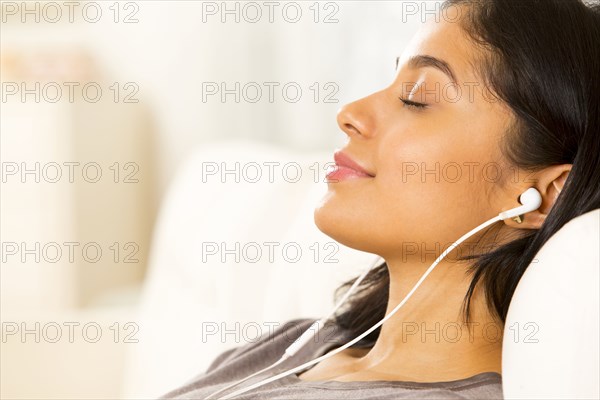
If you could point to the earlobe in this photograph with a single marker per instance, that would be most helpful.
(535, 220)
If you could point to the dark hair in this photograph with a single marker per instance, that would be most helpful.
(542, 59)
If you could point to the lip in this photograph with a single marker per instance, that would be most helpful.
(346, 168)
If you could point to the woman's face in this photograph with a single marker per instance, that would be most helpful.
(435, 168)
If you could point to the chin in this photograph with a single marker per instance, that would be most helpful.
(343, 225)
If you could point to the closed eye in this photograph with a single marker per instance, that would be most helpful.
(412, 104)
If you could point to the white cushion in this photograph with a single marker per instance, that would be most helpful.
(550, 348)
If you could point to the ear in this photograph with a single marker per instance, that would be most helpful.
(549, 182)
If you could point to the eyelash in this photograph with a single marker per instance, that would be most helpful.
(412, 104)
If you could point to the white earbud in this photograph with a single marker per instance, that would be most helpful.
(530, 199)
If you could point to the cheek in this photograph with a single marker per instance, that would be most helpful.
(418, 202)
(418, 196)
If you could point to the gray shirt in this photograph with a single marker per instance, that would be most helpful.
(239, 362)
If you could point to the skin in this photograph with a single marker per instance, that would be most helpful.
(409, 220)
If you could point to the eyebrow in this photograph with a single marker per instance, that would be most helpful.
(421, 61)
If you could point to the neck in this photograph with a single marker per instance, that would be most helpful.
(427, 339)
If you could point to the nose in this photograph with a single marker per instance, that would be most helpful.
(355, 120)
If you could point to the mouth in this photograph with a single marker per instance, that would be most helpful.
(346, 168)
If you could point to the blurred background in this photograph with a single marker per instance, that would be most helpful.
(110, 114)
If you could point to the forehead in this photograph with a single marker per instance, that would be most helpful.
(448, 41)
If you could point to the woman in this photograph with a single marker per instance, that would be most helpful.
(495, 97)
